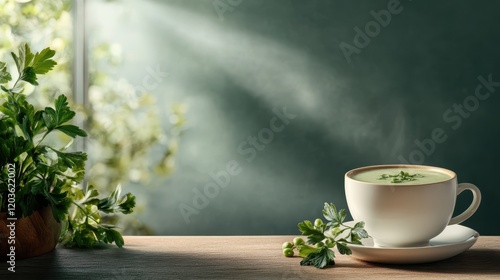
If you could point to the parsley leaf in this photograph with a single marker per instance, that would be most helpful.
(46, 175)
(319, 259)
(71, 130)
(359, 230)
(85, 229)
(5, 76)
(313, 235)
(42, 62)
(343, 249)
(29, 64)
(331, 214)
(305, 250)
(29, 75)
(115, 204)
(319, 253)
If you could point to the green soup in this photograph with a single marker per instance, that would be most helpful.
(400, 176)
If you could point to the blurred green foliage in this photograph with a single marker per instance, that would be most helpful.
(122, 120)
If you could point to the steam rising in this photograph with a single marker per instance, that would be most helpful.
(232, 74)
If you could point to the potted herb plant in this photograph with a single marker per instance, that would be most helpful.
(41, 198)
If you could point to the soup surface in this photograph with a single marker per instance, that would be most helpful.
(401, 176)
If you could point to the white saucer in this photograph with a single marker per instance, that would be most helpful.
(454, 240)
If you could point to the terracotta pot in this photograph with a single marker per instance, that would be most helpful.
(34, 235)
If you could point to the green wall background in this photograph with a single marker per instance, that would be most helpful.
(232, 67)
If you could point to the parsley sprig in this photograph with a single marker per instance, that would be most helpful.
(400, 177)
(48, 175)
(322, 238)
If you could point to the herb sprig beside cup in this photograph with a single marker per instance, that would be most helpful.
(322, 238)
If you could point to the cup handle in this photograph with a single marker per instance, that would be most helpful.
(476, 200)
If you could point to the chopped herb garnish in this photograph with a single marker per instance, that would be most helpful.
(401, 177)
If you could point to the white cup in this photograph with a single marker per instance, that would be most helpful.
(406, 215)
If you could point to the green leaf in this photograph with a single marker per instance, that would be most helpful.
(313, 235)
(73, 160)
(71, 130)
(37, 187)
(306, 227)
(26, 55)
(49, 116)
(5, 76)
(29, 203)
(343, 249)
(330, 211)
(12, 148)
(110, 235)
(28, 75)
(331, 214)
(17, 60)
(38, 122)
(26, 128)
(42, 62)
(359, 230)
(319, 259)
(90, 196)
(29, 64)
(305, 250)
(341, 216)
(56, 118)
(82, 236)
(59, 201)
(126, 203)
(64, 113)
(355, 240)
(116, 204)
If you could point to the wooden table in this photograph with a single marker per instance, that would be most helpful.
(237, 257)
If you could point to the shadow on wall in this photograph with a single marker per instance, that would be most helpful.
(381, 100)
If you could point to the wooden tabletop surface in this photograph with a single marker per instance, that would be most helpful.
(237, 257)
